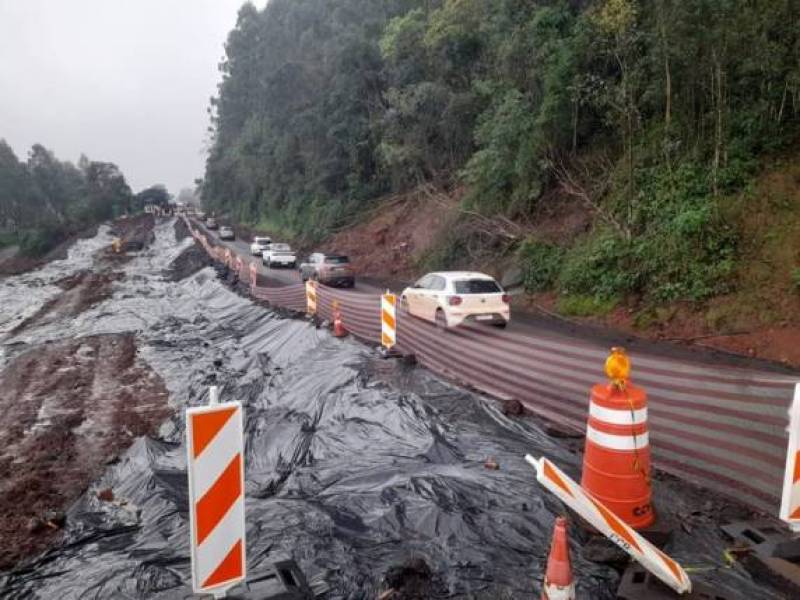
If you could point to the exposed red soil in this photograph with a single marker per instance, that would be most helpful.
(68, 408)
(82, 290)
(387, 243)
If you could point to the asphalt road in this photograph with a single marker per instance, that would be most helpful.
(533, 324)
(279, 276)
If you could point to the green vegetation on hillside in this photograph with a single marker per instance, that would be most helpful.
(650, 116)
(44, 200)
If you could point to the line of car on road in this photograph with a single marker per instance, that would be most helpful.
(446, 298)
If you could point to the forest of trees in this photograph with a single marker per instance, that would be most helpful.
(43, 200)
(648, 114)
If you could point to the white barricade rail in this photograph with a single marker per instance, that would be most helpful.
(574, 496)
(790, 501)
(215, 462)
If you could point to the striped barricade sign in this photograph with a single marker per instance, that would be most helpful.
(253, 274)
(388, 320)
(228, 258)
(311, 297)
(605, 521)
(790, 501)
(216, 496)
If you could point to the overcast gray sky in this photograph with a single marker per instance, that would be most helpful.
(126, 81)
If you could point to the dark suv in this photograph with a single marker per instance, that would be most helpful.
(330, 269)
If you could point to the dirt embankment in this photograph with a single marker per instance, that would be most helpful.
(189, 262)
(68, 408)
(136, 232)
(181, 230)
(389, 242)
(760, 318)
(82, 291)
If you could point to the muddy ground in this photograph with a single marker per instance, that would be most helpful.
(81, 291)
(68, 409)
(13, 264)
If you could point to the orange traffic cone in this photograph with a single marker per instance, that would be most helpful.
(558, 581)
(616, 461)
(338, 325)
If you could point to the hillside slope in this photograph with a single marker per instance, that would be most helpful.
(615, 156)
(758, 315)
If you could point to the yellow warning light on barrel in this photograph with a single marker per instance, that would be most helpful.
(618, 367)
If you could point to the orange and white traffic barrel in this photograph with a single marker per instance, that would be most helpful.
(559, 583)
(253, 274)
(215, 460)
(228, 258)
(790, 499)
(388, 320)
(616, 461)
(311, 297)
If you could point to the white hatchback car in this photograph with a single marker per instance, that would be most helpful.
(452, 297)
(259, 245)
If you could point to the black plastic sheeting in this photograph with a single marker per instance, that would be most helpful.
(353, 464)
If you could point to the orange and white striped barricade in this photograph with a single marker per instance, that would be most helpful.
(215, 459)
(610, 525)
(239, 266)
(388, 320)
(790, 501)
(253, 275)
(228, 258)
(311, 297)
